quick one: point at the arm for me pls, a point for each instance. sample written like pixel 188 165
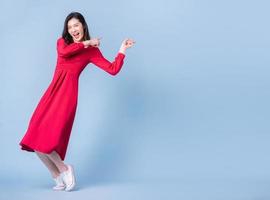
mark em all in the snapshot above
pixel 66 50
pixel 111 67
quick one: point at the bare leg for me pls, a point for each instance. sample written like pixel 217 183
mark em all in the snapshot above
pixel 49 164
pixel 56 159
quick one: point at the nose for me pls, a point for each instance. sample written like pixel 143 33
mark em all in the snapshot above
pixel 73 30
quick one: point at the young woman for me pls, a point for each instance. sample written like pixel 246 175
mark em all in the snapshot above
pixel 50 126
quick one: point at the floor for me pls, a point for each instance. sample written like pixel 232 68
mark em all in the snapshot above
pixel 200 189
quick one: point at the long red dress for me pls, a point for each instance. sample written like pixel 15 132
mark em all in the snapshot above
pixel 51 123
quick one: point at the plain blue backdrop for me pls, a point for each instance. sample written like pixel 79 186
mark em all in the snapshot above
pixel 187 117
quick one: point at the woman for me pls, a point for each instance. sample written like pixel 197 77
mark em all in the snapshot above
pixel 51 123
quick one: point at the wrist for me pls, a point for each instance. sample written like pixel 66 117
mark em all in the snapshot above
pixel 85 44
pixel 122 50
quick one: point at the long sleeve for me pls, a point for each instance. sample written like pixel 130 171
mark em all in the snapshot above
pixel 112 68
pixel 66 50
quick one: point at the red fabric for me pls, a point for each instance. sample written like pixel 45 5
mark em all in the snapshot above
pixel 51 122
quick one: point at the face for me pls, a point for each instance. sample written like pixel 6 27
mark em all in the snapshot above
pixel 75 29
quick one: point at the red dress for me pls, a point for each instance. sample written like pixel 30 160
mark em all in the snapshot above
pixel 51 123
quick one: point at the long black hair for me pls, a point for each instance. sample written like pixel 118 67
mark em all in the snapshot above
pixel 67 37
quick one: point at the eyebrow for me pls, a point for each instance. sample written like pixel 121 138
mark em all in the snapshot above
pixel 74 24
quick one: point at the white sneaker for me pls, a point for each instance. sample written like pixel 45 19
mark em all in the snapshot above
pixel 69 178
pixel 60 185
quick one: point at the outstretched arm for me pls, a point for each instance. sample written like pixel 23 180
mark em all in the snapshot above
pixel 66 50
pixel 111 67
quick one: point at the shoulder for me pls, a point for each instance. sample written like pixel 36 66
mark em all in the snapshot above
pixel 60 40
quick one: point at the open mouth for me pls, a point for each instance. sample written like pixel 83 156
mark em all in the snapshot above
pixel 76 35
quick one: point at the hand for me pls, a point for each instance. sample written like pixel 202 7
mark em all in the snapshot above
pixel 95 42
pixel 127 43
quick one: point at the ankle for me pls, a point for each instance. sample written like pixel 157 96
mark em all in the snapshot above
pixel 63 168
pixel 55 175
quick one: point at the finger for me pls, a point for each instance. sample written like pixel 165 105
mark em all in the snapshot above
pixel 130 42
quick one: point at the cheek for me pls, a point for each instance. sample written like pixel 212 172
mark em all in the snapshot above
pixel 81 29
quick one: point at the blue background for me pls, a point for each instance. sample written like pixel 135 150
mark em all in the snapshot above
pixel 186 118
